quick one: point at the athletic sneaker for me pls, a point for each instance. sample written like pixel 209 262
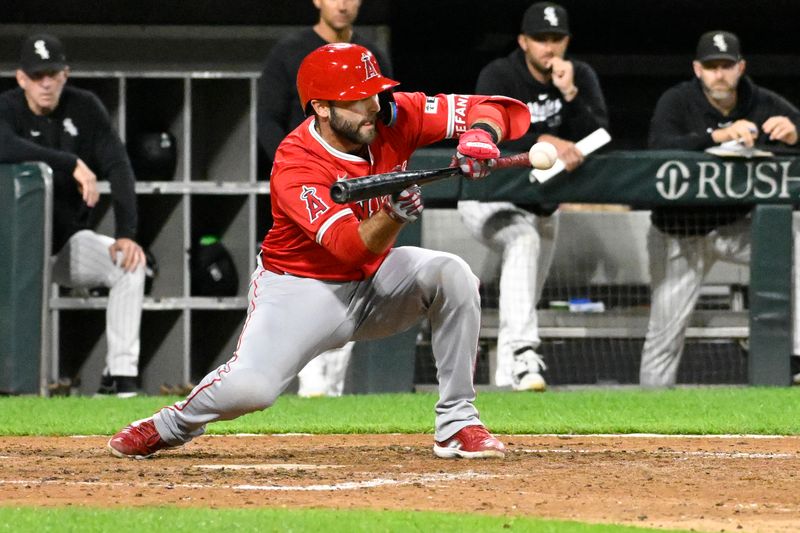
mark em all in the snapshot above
pixel 121 386
pixel 471 442
pixel 795 365
pixel 527 371
pixel 137 441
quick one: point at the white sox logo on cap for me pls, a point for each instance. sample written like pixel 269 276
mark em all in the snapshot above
pixel 369 67
pixel 719 42
pixel 41 50
pixel 550 15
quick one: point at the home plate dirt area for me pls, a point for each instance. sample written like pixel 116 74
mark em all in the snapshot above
pixel 729 483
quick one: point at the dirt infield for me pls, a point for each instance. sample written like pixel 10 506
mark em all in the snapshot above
pixel 708 484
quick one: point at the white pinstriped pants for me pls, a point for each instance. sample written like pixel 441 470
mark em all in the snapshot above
pixel 85 262
pixel 325 374
pixel 678 266
pixel 527 244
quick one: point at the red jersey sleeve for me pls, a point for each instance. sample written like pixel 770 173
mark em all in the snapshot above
pixel 428 119
pixel 302 193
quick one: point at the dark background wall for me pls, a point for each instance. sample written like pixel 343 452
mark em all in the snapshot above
pixel 639 48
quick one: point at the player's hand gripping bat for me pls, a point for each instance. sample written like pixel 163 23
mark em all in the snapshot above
pixel 353 190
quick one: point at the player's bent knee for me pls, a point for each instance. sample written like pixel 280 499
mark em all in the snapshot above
pixel 456 278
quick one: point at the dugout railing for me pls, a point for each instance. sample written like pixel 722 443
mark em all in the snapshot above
pixel 644 179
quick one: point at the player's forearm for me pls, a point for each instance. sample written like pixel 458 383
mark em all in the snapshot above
pixel 345 242
pixel 115 167
pixel 14 149
pixel 125 214
pixel 379 232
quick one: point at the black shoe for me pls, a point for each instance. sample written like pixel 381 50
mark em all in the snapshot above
pixel 795 365
pixel 121 386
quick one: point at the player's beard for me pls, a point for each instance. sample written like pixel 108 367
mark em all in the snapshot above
pixel 720 92
pixel 539 66
pixel 352 130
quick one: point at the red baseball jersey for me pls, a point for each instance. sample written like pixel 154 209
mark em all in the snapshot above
pixel 305 167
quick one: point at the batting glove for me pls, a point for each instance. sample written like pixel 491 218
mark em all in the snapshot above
pixel 476 153
pixel 404 206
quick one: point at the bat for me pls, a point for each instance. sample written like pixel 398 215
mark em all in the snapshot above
pixel 353 190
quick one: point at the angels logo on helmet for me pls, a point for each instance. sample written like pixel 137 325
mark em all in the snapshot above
pixel 369 66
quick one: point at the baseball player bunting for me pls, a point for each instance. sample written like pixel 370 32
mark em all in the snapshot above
pixel 329 273
pixel 316 165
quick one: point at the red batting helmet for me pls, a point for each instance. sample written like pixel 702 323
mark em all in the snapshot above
pixel 340 71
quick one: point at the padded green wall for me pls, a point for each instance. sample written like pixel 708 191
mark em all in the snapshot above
pixel 22 234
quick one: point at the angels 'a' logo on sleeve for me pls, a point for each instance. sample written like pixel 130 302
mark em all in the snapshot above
pixel 314 204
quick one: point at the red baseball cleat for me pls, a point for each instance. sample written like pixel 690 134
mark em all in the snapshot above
pixel 471 442
pixel 137 441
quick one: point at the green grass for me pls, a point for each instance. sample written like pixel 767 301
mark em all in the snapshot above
pixel 175 520
pixel 734 410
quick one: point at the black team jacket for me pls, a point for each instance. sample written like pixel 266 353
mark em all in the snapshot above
pixel 684 119
pixel 78 128
pixel 550 113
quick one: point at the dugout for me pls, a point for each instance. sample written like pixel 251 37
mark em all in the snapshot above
pixel 193 68
pixel 740 331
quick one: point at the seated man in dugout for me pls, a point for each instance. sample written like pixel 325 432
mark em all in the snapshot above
pixel 44 119
pixel 719 104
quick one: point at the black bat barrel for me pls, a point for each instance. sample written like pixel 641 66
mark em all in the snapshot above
pixel 356 189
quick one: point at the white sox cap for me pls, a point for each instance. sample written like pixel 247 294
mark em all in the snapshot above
pixel 718 45
pixel 545 17
pixel 42 52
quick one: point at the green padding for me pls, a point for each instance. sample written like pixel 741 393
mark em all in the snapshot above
pixel 22 201
pixel 770 296
pixel 643 178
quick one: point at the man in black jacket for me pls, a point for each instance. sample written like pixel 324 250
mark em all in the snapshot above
pixel 279 112
pixel 69 129
pixel 719 105
pixel 566 104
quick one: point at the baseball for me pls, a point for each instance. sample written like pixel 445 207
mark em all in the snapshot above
pixel 542 155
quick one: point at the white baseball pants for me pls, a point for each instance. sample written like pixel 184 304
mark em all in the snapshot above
pixel 527 244
pixel 678 266
pixel 85 262
pixel 325 374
